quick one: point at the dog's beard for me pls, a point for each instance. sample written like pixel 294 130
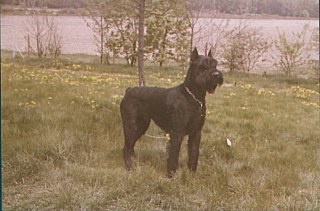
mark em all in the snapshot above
pixel 212 89
pixel 212 86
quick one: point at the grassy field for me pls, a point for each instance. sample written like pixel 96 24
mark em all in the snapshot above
pixel 62 141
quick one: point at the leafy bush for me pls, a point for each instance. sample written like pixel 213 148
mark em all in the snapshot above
pixel 117 27
pixel 290 54
pixel 304 13
pixel 244 47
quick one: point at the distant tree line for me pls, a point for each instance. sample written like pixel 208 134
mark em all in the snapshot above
pixel 297 8
pixel 53 4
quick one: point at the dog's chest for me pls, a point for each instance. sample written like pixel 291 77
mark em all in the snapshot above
pixel 197 118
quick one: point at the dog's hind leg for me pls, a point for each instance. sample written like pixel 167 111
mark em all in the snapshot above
pixel 142 126
pixel 131 136
pixel 134 126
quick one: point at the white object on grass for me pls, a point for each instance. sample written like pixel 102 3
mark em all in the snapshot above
pixel 229 142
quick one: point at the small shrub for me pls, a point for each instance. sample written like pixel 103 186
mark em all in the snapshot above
pixel 290 54
pixel 244 47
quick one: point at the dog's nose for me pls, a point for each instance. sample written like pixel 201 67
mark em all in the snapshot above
pixel 216 73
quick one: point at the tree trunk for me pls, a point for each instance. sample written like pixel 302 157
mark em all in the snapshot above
pixel 101 41
pixel 141 43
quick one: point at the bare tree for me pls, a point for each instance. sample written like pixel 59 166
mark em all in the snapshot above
pixel 43 33
pixel 194 9
pixel 97 14
pixel 215 32
pixel 208 32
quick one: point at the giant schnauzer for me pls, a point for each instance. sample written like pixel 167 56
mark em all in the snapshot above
pixel 179 111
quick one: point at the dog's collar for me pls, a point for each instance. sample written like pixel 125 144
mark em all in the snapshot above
pixel 193 96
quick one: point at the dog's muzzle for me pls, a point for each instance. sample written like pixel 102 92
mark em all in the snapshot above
pixel 217 79
pixel 218 76
pixel 216 73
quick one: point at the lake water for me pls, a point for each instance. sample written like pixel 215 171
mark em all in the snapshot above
pixel 78 38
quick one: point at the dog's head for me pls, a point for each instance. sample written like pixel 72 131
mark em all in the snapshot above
pixel 203 72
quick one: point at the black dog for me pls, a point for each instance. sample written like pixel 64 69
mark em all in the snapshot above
pixel 179 111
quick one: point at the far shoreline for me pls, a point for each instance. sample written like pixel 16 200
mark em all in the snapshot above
pixel 257 17
pixel 81 12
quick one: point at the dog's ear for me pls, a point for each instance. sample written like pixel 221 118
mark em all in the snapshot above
pixel 194 55
pixel 210 53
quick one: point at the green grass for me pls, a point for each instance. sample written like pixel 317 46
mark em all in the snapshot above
pixel 62 140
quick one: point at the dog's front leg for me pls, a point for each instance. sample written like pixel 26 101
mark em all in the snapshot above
pixel 193 150
pixel 174 150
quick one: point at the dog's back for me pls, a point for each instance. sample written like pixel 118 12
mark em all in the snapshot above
pixel 146 93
